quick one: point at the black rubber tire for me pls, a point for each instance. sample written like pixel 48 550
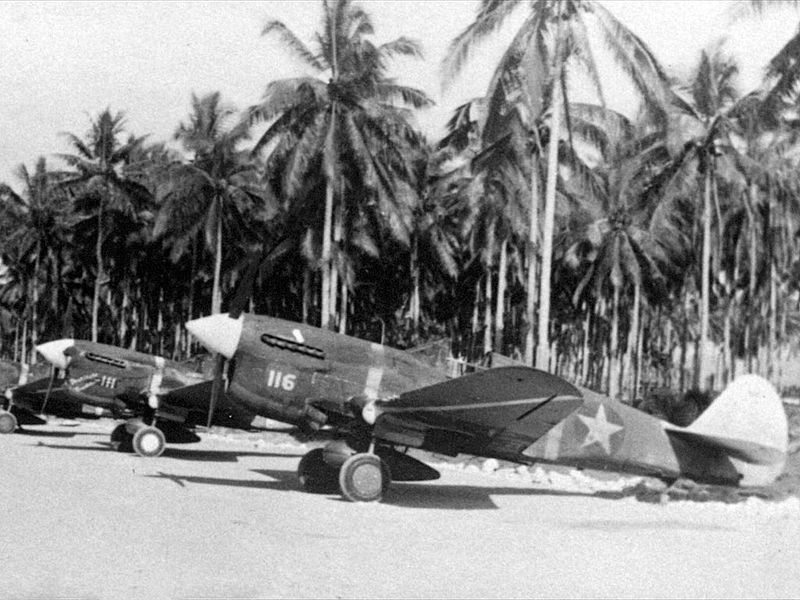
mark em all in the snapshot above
pixel 315 475
pixel 8 422
pixel 149 442
pixel 121 440
pixel 364 478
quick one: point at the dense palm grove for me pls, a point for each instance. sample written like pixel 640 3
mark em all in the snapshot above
pixel 622 253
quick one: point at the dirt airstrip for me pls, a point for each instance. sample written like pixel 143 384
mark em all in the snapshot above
pixel 225 519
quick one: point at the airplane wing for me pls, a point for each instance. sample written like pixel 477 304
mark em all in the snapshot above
pixel 31 397
pixel 191 402
pixel 748 451
pixel 496 413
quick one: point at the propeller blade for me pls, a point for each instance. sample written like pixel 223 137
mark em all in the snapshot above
pixel 257 262
pixel 49 387
pixel 226 338
pixel 216 388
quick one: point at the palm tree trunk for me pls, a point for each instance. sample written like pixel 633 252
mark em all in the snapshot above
pixel 135 326
pixel 605 364
pixel 123 321
pixel 35 304
pixel 475 316
pixel 587 322
pixel 306 293
pixel 98 252
pixel 176 341
pixel 613 349
pixel 499 312
pixel 336 261
pixel 160 324
pixel 543 349
pixel 326 257
pixel 414 308
pixel 24 354
pixel 216 292
pixel 684 342
pixel 343 310
pixel 751 300
pixel 705 349
pixel 632 343
pixel 533 238
pixel 487 314
pixel 637 378
pixel 727 370
pixel 192 277
pixel 773 321
pixel 16 356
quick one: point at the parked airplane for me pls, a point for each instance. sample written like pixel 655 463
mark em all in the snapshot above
pixel 161 400
pixel 33 383
pixel 384 402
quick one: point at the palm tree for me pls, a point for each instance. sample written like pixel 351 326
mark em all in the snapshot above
pixel 34 224
pixel 552 40
pixel 617 244
pixel 99 175
pixel 345 132
pixel 700 139
pixel 217 191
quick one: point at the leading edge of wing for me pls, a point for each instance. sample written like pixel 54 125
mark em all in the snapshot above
pixel 504 385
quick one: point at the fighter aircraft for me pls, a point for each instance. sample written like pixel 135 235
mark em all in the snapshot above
pixel 385 402
pixel 161 400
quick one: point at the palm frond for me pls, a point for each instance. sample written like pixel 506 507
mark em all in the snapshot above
pixel 295 45
pixel 285 94
pixel 490 18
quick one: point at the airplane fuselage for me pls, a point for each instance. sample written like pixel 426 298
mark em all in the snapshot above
pixel 121 380
pixel 282 367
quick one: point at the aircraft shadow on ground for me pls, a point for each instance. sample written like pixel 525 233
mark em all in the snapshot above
pixel 277 484
pixel 407 495
pixel 54 434
pixel 219 455
pixel 70 447
pixel 175 453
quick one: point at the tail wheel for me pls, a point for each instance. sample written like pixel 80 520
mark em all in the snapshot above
pixel 121 440
pixel 149 441
pixel 364 478
pixel 8 422
pixel 315 475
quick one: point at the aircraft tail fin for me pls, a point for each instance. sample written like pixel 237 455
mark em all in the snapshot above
pixel 748 422
pixel 749 409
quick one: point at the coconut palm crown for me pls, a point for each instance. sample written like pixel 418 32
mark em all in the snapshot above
pixel 345 128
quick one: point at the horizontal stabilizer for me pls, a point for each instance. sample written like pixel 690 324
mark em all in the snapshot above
pixel 747 451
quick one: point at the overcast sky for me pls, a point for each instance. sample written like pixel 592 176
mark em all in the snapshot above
pixel 64 62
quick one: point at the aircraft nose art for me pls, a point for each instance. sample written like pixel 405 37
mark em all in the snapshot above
pixel 53 352
pixel 219 333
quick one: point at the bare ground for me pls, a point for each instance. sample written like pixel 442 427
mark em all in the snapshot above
pixel 225 519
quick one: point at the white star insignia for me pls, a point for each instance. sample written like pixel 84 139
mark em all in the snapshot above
pixel 600 430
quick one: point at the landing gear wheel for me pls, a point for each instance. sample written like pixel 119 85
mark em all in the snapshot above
pixel 8 422
pixel 149 441
pixel 121 440
pixel 315 475
pixel 364 478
